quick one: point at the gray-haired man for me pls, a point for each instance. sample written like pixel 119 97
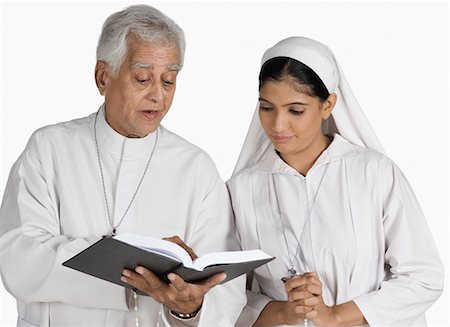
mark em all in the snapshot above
pixel 117 170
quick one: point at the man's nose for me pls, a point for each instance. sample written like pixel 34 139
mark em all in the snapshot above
pixel 156 92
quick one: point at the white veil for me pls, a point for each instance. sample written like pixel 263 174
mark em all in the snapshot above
pixel 347 118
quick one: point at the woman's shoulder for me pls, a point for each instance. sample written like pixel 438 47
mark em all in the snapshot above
pixel 357 153
pixel 368 162
pixel 242 176
pixel 246 176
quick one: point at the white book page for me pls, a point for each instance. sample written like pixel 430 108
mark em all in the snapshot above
pixel 162 247
pixel 228 257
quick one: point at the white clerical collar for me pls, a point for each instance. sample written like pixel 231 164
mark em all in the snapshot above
pixel 120 146
pixel 338 149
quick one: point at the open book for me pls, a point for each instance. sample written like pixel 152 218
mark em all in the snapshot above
pixel 107 258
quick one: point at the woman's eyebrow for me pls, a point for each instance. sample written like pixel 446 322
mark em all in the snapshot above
pixel 287 104
pixel 296 103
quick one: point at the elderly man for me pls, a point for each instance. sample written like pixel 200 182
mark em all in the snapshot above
pixel 117 170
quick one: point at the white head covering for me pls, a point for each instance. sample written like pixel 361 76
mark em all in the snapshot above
pixel 347 118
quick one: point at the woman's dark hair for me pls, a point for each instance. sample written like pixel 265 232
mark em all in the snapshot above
pixel 309 82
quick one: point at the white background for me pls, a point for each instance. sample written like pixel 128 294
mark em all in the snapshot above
pixel 394 54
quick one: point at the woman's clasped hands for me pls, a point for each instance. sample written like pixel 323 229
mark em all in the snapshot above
pixel 305 301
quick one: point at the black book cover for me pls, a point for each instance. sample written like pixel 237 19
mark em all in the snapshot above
pixel 107 258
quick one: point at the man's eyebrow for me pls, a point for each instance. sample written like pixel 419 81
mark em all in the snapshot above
pixel 175 67
pixel 137 64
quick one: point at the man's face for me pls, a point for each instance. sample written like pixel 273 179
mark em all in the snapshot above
pixel 138 98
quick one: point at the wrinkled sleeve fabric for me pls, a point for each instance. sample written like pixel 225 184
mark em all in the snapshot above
pixel 214 231
pixel 32 248
pixel 256 301
pixel 415 275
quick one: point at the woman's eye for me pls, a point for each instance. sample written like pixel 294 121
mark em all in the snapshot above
pixel 265 108
pixel 296 112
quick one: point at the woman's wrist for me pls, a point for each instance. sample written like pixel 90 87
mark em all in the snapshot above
pixel 347 314
pixel 274 313
pixel 282 313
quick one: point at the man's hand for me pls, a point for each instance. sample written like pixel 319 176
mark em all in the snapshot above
pixel 177 240
pixel 178 296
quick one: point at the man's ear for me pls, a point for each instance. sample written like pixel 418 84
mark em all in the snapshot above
pixel 328 106
pixel 101 76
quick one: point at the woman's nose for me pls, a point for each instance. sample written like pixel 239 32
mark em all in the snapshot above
pixel 280 123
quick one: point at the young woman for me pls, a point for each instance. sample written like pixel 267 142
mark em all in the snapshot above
pixel 315 190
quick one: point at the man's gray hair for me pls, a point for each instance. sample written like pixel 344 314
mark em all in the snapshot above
pixel 145 22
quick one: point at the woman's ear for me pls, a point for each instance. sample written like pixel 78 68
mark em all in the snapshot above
pixel 101 76
pixel 328 105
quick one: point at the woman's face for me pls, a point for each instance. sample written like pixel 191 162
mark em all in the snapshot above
pixel 291 119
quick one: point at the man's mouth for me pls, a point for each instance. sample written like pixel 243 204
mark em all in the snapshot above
pixel 150 114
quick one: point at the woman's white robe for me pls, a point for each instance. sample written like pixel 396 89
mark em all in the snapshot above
pixel 366 237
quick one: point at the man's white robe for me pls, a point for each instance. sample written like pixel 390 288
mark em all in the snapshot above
pixel 54 207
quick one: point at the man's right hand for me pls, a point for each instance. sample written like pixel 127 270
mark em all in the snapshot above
pixel 178 296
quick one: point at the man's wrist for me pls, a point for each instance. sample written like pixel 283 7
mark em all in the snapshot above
pixel 185 316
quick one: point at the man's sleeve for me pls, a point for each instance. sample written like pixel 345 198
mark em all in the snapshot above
pixel 32 248
pixel 215 231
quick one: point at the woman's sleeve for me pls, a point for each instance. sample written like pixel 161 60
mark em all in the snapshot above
pixel 32 248
pixel 415 272
pixel 256 302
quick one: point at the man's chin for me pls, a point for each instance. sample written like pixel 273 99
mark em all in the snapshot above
pixel 148 130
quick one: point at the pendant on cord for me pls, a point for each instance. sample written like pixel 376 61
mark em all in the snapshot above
pixel 292 272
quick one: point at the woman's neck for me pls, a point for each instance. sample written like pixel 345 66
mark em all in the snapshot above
pixel 303 161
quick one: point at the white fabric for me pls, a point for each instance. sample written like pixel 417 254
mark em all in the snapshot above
pixel 53 208
pixel 349 119
pixel 366 238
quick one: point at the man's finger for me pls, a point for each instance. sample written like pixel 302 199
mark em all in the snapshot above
pixel 213 281
pixel 152 280
pixel 177 240
pixel 134 279
pixel 177 282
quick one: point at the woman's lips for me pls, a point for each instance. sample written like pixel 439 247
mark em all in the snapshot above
pixel 280 139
